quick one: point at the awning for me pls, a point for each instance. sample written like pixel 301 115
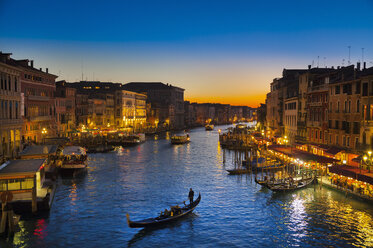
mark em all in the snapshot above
pixel 353 172
pixel 302 155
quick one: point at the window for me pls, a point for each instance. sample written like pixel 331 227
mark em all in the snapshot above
pixel 345 107
pixel 337 107
pixel 365 89
pixel 2 81
pixel 9 83
pixel 358 106
pixel 348 141
pixel 15 85
pixel 337 89
pixel 356 142
pixel 330 107
pixel 349 106
pixel 357 88
pixel 336 140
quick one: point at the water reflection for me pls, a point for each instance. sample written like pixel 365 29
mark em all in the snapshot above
pixel 234 211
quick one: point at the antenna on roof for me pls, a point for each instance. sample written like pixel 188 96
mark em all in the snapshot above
pixel 325 62
pixel 362 55
pixel 82 72
pixel 343 62
pixel 349 55
pixel 318 58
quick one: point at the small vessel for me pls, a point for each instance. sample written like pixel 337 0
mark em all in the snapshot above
pixel 180 139
pixel 100 149
pixel 74 158
pixel 291 184
pixel 133 139
pixel 239 171
pixel 209 127
pixel 163 219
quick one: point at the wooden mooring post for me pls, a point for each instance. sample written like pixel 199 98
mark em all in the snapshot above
pixel 7 213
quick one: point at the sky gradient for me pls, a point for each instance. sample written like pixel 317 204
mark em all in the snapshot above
pixel 218 51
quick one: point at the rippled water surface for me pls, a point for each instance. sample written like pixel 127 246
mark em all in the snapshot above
pixel 234 211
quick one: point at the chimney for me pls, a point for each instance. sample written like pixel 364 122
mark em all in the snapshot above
pixel 40 69
pixel 365 65
pixel 32 63
pixel 358 66
pixel 309 67
pixel 46 70
pixel 338 67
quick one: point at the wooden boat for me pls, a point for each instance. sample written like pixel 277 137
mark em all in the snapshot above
pixel 239 171
pixel 157 221
pixel 180 139
pixel 209 127
pixel 291 185
pixel 265 182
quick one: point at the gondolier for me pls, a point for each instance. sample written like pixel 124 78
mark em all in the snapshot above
pixel 191 195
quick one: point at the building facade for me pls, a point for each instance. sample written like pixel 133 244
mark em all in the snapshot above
pixel 10 109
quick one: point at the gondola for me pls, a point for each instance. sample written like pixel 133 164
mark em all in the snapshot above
pixel 160 220
pixel 284 187
pixel 238 171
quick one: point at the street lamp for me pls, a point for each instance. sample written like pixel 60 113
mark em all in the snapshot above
pixel 44 132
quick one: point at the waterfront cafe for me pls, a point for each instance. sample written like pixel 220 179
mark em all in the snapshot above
pixel 352 179
pixel 25 179
pixel 301 158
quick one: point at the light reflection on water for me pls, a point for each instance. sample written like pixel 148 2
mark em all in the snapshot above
pixel 234 211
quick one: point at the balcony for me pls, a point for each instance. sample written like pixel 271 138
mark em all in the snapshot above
pixel 39 98
pixel 40 118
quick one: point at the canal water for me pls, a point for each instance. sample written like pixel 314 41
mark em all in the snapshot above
pixel 234 211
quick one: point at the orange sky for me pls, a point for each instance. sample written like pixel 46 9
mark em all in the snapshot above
pixel 239 100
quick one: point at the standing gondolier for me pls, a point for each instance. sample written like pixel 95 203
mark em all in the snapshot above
pixel 191 195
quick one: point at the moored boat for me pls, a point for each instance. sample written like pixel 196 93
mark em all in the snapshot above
pixel 74 159
pixel 239 171
pixel 133 139
pixel 163 219
pixel 180 139
pixel 291 184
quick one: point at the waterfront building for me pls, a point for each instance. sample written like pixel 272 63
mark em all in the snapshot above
pixel 10 108
pixel 222 112
pixel 344 108
pixel 25 179
pixel 95 103
pixel 189 114
pixel 65 109
pixel 366 109
pixel 166 102
pixel 81 110
pixel 38 88
pixel 130 110
pixel 282 89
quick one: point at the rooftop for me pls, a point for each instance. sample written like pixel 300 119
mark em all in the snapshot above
pixel 39 150
pixel 21 166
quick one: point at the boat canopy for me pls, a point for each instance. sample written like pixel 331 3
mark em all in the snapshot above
pixel 73 150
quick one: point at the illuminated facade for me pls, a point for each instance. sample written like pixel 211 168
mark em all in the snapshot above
pixel 130 110
pixel 10 108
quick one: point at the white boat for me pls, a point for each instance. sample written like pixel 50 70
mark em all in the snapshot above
pixel 74 158
pixel 180 139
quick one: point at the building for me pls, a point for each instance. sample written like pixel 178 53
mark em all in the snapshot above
pixel 366 109
pixel 130 110
pixel 10 109
pixel 65 109
pixel 166 103
pixel 38 88
pixel 344 108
